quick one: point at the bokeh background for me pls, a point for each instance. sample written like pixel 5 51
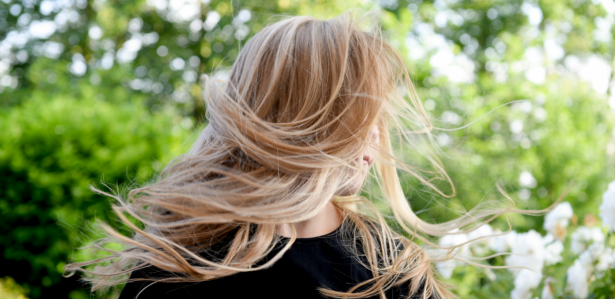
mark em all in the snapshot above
pixel 108 91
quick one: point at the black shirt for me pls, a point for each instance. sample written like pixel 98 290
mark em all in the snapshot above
pixel 310 263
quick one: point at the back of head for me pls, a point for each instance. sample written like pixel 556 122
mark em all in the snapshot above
pixel 304 93
pixel 293 118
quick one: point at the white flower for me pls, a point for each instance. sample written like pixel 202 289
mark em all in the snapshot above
pixel 482 246
pixel 599 258
pixel 503 243
pixel 606 261
pixel 607 208
pixel 583 237
pixel 446 267
pixel 528 252
pixel 553 250
pixel 577 280
pixel 557 220
pixel 547 290
pixel 454 240
pixel 591 255
pixel 524 283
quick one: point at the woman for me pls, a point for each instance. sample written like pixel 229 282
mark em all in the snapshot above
pixel 265 204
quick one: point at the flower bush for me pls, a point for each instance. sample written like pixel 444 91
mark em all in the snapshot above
pixel 546 266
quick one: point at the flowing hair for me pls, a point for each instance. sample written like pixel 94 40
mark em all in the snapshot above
pixel 283 138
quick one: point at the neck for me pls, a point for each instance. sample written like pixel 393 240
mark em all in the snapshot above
pixel 323 223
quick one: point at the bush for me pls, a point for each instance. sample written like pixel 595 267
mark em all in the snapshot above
pixel 51 150
pixel 572 260
pixel 10 290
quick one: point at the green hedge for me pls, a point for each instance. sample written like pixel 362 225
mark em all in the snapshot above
pixel 51 150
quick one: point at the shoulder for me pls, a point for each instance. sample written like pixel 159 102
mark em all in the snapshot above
pixel 360 229
pixel 152 282
pixel 387 246
pixel 267 283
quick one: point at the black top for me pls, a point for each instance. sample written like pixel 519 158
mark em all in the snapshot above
pixel 310 263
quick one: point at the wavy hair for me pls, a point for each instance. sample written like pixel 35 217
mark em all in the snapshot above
pixel 283 136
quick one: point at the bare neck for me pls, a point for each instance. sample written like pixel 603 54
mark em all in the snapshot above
pixel 323 223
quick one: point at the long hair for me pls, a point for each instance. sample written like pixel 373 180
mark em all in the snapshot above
pixel 283 136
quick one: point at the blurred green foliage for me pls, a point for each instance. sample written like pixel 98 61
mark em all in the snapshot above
pixel 11 290
pixel 109 90
pixel 51 150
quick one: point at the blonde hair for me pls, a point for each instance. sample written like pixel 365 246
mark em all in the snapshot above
pixel 282 138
